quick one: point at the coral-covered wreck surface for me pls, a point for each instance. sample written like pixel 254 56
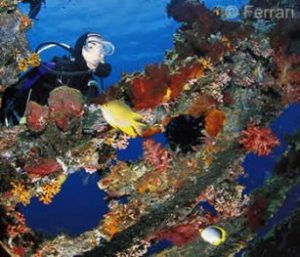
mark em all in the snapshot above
pixel 220 110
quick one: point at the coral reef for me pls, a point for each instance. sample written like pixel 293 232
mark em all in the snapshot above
pixel 13 46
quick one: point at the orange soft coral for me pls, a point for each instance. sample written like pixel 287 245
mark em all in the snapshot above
pixel 119 180
pixel 120 217
pixel 22 65
pixel 110 225
pixel 48 191
pixel 258 140
pixel 20 193
pixel 34 60
pixel 25 22
pixel 150 183
pixel 214 122
pixel 202 104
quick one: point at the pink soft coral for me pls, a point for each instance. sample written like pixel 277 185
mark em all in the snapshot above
pixel 65 103
pixel 156 155
pixel 258 140
pixel 37 116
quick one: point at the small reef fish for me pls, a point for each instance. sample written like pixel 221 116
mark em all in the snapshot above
pixel 120 116
pixel 214 235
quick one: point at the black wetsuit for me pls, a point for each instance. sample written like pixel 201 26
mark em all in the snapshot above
pixel 15 97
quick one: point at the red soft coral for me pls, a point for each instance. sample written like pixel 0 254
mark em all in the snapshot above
pixel 188 231
pixel 199 23
pixel 288 76
pixel 156 155
pixel 19 251
pixel 258 140
pixel 191 12
pixel 180 234
pixel 256 214
pixel 37 116
pixel 146 94
pixel 183 75
pixel 149 90
pixel 42 167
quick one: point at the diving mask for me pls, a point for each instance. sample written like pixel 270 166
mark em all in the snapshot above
pixel 94 50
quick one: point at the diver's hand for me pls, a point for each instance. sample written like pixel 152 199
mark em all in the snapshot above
pixel 103 70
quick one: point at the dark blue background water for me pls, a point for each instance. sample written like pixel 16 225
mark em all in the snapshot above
pixel 78 207
pixel 141 33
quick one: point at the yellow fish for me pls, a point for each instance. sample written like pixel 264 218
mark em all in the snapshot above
pixel 214 235
pixel 120 116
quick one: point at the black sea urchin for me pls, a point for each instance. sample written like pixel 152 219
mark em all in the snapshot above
pixel 184 132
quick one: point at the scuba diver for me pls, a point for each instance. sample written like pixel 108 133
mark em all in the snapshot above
pixel 79 70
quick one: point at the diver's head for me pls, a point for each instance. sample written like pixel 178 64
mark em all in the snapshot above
pixel 90 50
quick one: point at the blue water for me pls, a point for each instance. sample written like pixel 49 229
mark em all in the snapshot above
pixel 141 33
pixel 289 205
pixel 207 207
pixel 139 29
pixel 135 148
pixel 158 247
pixel 259 168
pixel 77 208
